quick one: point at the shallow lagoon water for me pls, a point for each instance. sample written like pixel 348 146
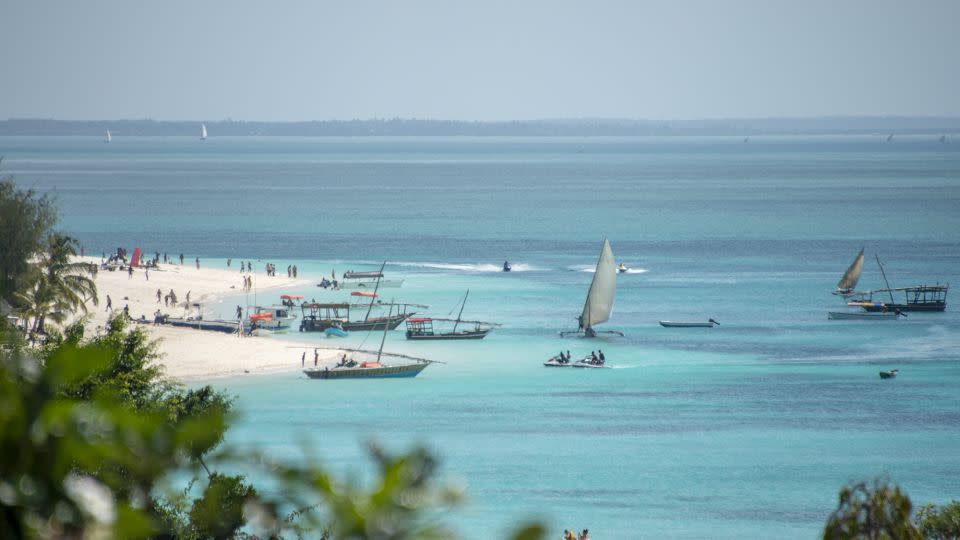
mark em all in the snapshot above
pixel 744 430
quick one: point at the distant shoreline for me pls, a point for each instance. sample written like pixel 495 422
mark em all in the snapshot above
pixel 398 127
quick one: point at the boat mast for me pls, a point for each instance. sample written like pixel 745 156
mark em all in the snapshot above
pixel 374 297
pixel 463 305
pixel 386 326
pixel 884 274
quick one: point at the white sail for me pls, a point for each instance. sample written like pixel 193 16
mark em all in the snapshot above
pixel 203 131
pixel 599 302
pixel 852 275
pixel 108 138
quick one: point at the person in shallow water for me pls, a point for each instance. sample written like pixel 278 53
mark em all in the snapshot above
pixel 602 358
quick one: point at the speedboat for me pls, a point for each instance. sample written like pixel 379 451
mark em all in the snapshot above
pixel 622 268
pixel 506 266
pixel 889 374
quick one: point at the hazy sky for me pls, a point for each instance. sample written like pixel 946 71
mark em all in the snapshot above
pixel 483 60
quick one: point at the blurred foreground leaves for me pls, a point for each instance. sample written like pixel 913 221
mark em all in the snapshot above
pixel 91 436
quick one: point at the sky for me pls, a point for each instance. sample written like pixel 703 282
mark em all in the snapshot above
pixel 477 60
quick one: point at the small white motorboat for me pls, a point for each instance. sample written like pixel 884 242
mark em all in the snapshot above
pixel 709 323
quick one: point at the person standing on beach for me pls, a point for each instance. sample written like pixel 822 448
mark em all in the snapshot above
pixel 228 262
pixel 188 298
pixel 146 273
pixel 158 295
pixel 198 263
pixel 109 303
pixel 303 359
pixel 130 272
pixel 294 271
pixel 181 258
pixel 316 357
pixel 239 313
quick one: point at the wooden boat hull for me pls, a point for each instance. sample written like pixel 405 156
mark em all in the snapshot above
pixel 383 372
pixel 227 327
pixel 862 316
pixel 688 324
pixel 447 336
pixel 370 284
pixel 321 325
pixel 875 307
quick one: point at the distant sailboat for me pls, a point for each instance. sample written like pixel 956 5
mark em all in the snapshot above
pixel 108 138
pixel 599 302
pixel 850 278
pixel 943 138
pixel 890 137
pixel 203 132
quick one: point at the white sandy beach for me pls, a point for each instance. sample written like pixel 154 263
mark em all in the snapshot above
pixel 197 354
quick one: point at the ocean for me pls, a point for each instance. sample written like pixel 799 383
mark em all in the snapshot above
pixel 747 429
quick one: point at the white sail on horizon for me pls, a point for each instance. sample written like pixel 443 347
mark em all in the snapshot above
pixel 109 138
pixel 203 131
pixel 852 275
pixel 599 302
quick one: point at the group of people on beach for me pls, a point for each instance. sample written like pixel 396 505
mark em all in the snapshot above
pixel 247 283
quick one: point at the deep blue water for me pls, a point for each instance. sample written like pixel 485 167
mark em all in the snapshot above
pixel 745 430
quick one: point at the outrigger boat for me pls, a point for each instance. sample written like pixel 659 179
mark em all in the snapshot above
pixel 920 298
pixel 351 369
pixel 709 323
pixel 865 316
pixel 599 302
pixel 319 317
pixel 421 328
pixel 367 280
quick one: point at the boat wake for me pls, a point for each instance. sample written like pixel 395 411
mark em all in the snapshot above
pixel 591 269
pixel 467 267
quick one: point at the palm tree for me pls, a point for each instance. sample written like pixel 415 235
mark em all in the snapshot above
pixel 57 287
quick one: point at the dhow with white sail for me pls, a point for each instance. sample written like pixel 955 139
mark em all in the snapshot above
pixel 599 302
pixel 850 278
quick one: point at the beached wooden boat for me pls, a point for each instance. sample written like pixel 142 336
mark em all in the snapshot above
pixel 709 323
pixel 422 328
pixel 214 325
pixel 367 370
pixel 599 301
pixel 889 374
pixel 351 369
pixel 863 315
pixel 319 317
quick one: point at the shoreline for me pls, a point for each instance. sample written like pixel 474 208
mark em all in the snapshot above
pixel 188 355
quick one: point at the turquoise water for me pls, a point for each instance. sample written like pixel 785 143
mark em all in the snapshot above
pixel 744 430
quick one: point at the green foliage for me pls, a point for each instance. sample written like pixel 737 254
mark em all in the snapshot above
pixel 219 513
pixel 26 219
pixel 90 433
pixel 877 512
pixel 55 287
pixel 941 523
